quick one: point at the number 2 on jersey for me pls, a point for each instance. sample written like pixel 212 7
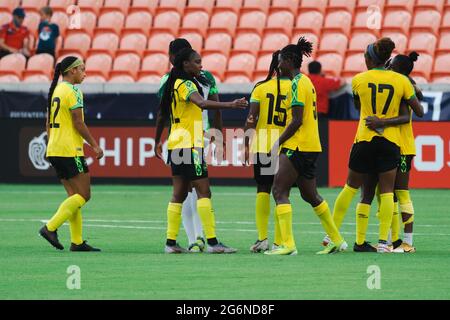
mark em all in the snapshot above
pixel 56 101
pixel 381 88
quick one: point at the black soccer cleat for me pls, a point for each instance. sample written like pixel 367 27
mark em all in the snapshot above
pixel 51 237
pixel 365 247
pixel 397 243
pixel 83 247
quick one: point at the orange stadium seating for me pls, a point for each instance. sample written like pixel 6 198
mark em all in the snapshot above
pixel 127 40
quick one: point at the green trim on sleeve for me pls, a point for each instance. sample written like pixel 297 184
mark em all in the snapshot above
pixel 162 85
pixel 413 96
pixel 297 104
pixel 254 101
pixel 77 106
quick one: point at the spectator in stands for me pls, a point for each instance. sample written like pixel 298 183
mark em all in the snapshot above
pixel 48 32
pixel 14 36
pixel 323 85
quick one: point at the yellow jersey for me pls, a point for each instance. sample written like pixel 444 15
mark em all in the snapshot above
pixel 273 108
pixel 306 138
pixel 407 142
pixel 380 93
pixel 186 130
pixel 64 140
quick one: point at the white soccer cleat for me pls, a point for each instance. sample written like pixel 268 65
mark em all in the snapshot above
pixel 260 246
pixel 383 248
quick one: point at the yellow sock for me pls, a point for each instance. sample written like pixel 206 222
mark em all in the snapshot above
pixel 395 225
pixel 278 240
pixel 284 212
pixel 406 205
pixel 173 220
pixel 342 203
pixel 324 214
pixel 386 212
pixel 76 228
pixel 204 208
pixel 362 221
pixel 65 211
pixel 262 214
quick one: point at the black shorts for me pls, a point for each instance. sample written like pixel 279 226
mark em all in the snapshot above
pixel 188 163
pixel 264 169
pixel 67 168
pixel 304 162
pixel 376 156
pixel 404 165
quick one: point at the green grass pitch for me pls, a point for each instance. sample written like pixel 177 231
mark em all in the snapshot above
pixel 128 224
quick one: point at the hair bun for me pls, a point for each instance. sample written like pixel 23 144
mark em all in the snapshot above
pixel 413 56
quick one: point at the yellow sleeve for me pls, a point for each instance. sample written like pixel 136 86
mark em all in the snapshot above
pixel 355 85
pixel 298 94
pixel 186 89
pixel 74 99
pixel 256 95
pixel 409 91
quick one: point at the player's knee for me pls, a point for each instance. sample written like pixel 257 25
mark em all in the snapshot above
pixel 179 197
pixel 278 194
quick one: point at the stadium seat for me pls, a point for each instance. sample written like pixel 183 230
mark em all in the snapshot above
pixel 331 63
pixel 364 4
pixel 133 43
pixel 9 78
pixel 40 64
pixel 364 21
pixel 280 20
pixel 194 38
pixel 60 5
pixel 177 5
pixel 397 20
pixel 168 21
pixel 105 43
pixel 62 20
pixel 94 79
pixel 88 21
pixel 400 40
pixel 423 65
pixel 274 41
pixel 430 4
pixel 243 63
pixel 338 21
pixel 33 5
pixel 422 42
pixel 354 63
pixel 218 42
pixel 90 5
pixel 446 21
pixel 407 5
pixel 112 21
pixel 9 5
pixel 155 64
pixel 252 21
pixel 205 5
pixel 152 79
pixel 263 62
pixel 78 42
pixel 348 5
pixel 420 80
pixel 144 6
pixel 360 41
pixel 196 21
pixel 333 42
pixel 290 5
pixel 441 65
pixel 444 43
pixel 310 36
pixel 61 57
pixel 259 75
pixel 237 79
pixel 319 5
pixel 233 5
pixel 305 62
pixel 138 22
pixel 426 20
pixel 262 5
pixel 436 80
pixel 115 5
pixel 215 63
pixel 128 63
pixel 309 21
pixel 224 21
pixel 31 21
pixel 247 42
pixel 159 42
pixel 121 78
pixel 36 78
pixel 99 64
pixel 5 17
pixel 12 64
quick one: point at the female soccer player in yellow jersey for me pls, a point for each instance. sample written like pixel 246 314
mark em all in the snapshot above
pixel 66 134
pixel 183 102
pixel 300 147
pixel 269 102
pixel 377 92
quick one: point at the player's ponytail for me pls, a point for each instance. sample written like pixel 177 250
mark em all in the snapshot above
pixel 295 52
pixel 56 75
pixel 273 70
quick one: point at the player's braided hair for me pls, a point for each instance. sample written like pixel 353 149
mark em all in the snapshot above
pixel 273 70
pixel 63 65
pixel 177 72
pixel 295 52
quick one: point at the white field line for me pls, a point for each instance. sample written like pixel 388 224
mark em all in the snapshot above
pixel 164 228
